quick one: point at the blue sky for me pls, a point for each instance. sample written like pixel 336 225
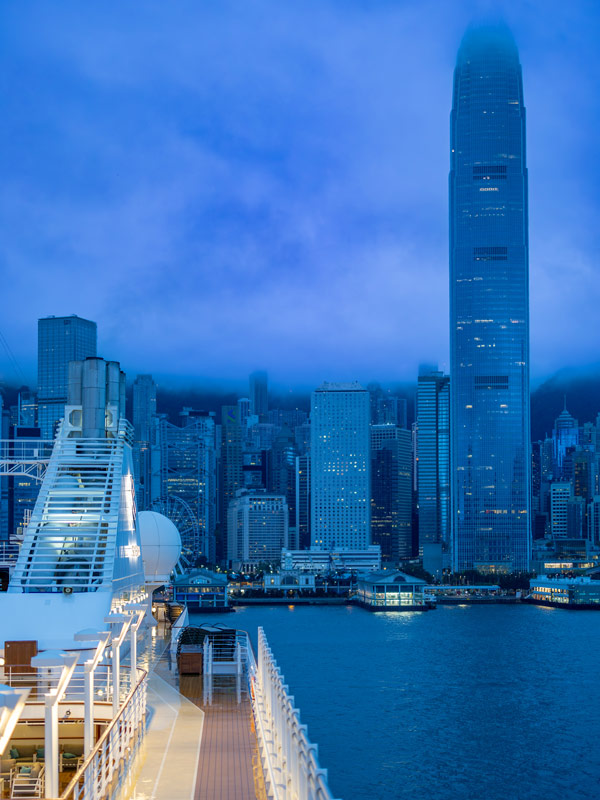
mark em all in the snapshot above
pixel 230 185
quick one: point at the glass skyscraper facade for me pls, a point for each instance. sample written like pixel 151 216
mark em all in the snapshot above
pixel 489 307
pixel 340 467
pixel 433 448
pixel 60 340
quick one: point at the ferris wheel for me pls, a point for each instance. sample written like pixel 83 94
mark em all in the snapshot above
pixel 181 515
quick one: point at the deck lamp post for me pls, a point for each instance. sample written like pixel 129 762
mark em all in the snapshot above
pixel 67 662
pixel 136 610
pixel 125 621
pixel 101 639
pixel 12 703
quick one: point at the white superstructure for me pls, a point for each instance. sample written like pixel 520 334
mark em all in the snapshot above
pixel 81 554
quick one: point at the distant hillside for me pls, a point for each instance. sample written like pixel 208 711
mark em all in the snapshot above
pixel 547 401
pixel 582 392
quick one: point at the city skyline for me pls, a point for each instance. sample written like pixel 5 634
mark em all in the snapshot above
pixel 245 237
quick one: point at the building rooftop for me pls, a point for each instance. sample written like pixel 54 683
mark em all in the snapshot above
pixel 353 386
pixel 388 576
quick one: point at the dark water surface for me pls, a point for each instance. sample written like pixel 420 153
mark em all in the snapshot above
pixel 468 702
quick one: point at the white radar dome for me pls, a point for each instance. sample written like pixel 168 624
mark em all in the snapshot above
pixel 161 545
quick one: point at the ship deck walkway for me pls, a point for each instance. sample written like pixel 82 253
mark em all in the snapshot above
pixel 195 750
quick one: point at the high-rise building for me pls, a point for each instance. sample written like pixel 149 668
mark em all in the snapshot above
pixel 433 446
pixel 188 480
pixel 144 414
pixel 391 491
pixel 565 435
pixel 303 501
pixel 340 467
pixel 60 340
pixel 259 394
pixel 489 308
pixel 231 473
pixel 257 529
pixel 561 493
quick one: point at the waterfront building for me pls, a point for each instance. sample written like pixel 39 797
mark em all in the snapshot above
pixel 188 474
pixel 290 581
pixel 344 559
pixel 489 308
pixel 340 467
pixel 560 592
pixel 144 414
pixel 60 340
pixel 259 394
pixel 433 447
pixel 391 591
pixel 202 590
pixel 391 491
pixel 257 529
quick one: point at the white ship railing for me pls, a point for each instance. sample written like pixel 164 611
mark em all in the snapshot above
pixel 108 764
pixel 44 680
pixel 290 761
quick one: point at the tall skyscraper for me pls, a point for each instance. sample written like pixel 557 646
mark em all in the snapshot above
pixel 144 413
pixel 489 307
pixel 231 471
pixel 391 491
pixel 340 467
pixel 433 447
pixel 60 340
pixel 259 394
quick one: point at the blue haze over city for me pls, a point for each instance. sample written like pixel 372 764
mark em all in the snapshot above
pixel 265 184
pixel 315 284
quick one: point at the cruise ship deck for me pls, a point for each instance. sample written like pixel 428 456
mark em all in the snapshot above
pixel 198 746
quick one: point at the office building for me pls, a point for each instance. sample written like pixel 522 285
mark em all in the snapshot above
pixel 302 502
pixel 188 481
pixel 565 435
pixel 340 467
pixel 144 414
pixel 489 308
pixel 433 447
pixel 391 492
pixel 60 340
pixel 560 494
pixel 259 394
pixel 231 472
pixel 257 529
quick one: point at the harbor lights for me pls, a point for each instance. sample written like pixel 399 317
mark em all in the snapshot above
pixel 101 639
pixel 125 621
pixel 68 661
pixel 12 703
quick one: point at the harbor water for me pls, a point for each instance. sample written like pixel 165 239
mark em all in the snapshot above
pixel 461 703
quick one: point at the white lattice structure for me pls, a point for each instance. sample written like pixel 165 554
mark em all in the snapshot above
pixel 81 553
